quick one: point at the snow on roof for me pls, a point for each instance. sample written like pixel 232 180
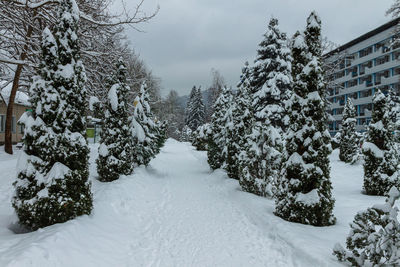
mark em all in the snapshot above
pixel 21 98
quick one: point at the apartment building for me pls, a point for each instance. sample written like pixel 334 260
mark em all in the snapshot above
pixel 360 67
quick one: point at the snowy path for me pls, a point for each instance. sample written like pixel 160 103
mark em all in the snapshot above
pixel 176 212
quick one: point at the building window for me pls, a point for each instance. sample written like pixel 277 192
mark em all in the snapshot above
pixel 353 95
pixel 353 71
pixel 365 109
pixel 382 60
pixel 2 123
pixel 396 55
pixel 384 45
pixel 365 65
pixel 380 75
pixel 353 83
pixel 367 79
pixel 21 128
pixel 365 93
pixel 340 74
pixel 396 71
pixel 366 51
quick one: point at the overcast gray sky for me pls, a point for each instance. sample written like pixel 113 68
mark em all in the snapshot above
pixel 189 37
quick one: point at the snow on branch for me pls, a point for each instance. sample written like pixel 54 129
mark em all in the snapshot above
pixel 35 5
pixel 12 61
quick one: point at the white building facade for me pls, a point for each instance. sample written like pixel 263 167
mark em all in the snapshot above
pixel 360 68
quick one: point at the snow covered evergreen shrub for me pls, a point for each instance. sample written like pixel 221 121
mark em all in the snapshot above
pixel 380 157
pixel 304 194
pixel 216 143
pixel 201 136
pixel 335 142
pixel 115 150
pixel 394 113
pixel 52 184
pixel 161 134
pixel 374 239
pixel 143 129
pixel 269 82
pixel 186 134
pixel 349 142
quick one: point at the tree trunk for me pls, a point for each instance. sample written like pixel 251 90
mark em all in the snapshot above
pixel 8 131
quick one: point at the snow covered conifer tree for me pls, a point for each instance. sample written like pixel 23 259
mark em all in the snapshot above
pixel 115 150
pixel 349 144
pixel 380 156
pixel 231 148
pixel 142 129
pixel 216 142
pixel 201 137
pixel 52 184
pixel 242 119
pixel 374 239
pixel 189 105
pixel 270 82
pixel 394 107
pixel 195 112
pixel 161 134
pixel 186 134
pixel 304 193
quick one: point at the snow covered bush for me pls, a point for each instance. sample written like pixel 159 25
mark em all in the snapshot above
pixel 335 142
pixel 201 136
pixel 349 142
pixel 374 238
pixel 270 81
pixel 115 150
pixel 381 159
pixel 304 193
pixel 52 184
pixel 186 134
pixel 217 141
pixel 143 129
pixel 161 135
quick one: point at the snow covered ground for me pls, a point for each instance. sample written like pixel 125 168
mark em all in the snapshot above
pixel 177 212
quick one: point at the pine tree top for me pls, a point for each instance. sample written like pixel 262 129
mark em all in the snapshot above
pixel 349 111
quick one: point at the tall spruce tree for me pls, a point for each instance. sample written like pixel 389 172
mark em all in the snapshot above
pixel 152 126
pixel 142 127
pixel 195 112
pixel 189 105
pixel 380 156
pixel 216 142
pixel 270 82
pixel 349 145
pixel 115 150
pixel 304 193
pixel 52 184
pixel 230 150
